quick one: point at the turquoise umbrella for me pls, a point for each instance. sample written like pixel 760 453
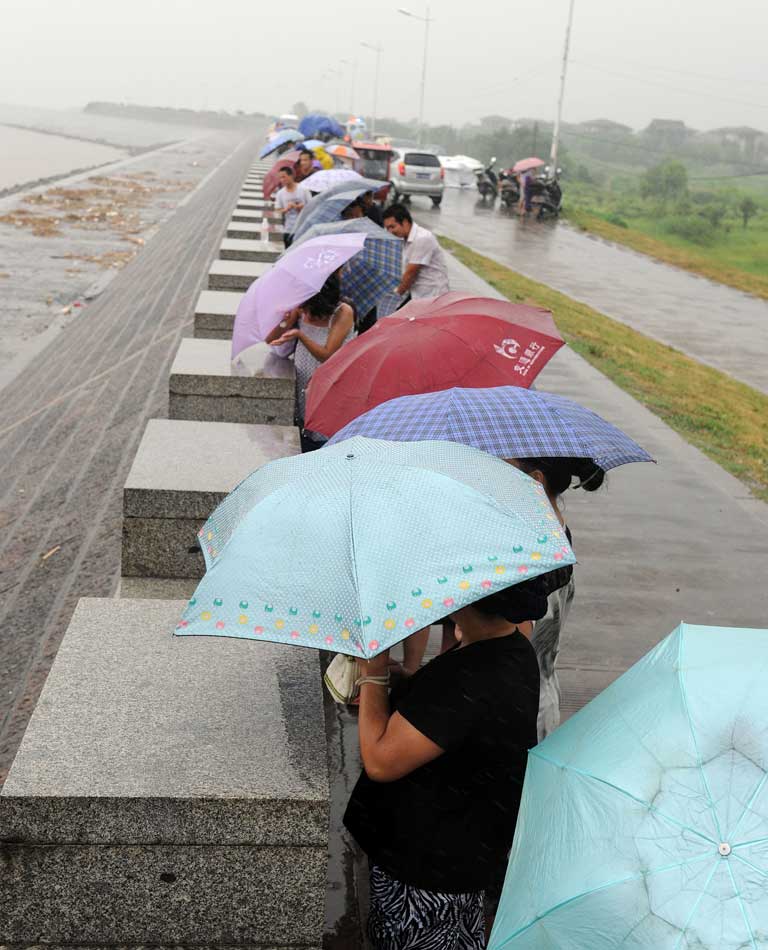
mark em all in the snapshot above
pixel 644 819
pixel 356 546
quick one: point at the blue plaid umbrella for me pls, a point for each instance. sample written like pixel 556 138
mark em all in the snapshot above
pixel 277 141
pixel 375 271
pixel 327 206
pixel 506 421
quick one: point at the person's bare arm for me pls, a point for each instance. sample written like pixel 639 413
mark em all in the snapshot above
pixel 290 319
pixel 390 746
pixel 340 327
pixel 408 279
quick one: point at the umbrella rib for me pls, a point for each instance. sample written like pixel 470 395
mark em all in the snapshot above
pixel 750 864
pixel 623 791
pixel 696 906
pixel 684 697
pixel 602 887
pixel 741 905
pixel 748 805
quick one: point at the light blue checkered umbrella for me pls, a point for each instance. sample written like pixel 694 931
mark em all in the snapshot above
pixel 372 273
pixel 327 206
pixel 506 421
pixel 357 546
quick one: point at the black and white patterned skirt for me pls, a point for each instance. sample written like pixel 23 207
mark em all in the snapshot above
pixel 403 917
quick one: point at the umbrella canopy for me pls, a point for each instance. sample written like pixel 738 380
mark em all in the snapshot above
pixel 526 164
pixel 271 184
pixel 343 151
pixel 313 143
pixel 282 564
pixel 644 818
pixel 315 125
pixel 506 421
pixel 372 273
pixel 327 206
pixel 428 345
pixel 280 139
pixel 294 278
pixel 323 180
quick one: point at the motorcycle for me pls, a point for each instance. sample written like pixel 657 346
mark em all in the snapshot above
pixel 546 197
pixel 487 180
pixel 509 188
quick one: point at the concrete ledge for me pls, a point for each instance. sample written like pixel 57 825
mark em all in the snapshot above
pixel 156 588
pixel 252 215
pixel 215 314
pixel 181 472
pixel 254 203
pixel 254 232
pixel 235 274
pixel 241 249
pixel 203 386
pixel 167 791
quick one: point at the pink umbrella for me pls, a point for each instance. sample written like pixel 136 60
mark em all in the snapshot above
pixel 526 164
pixel 296 277
pixel 271 184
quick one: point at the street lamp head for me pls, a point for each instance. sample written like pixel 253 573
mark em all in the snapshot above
pixel 405 12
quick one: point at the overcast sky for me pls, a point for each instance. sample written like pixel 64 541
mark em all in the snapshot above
pixel 697 60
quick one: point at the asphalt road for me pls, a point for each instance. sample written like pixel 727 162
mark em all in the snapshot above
pixel 709 321
pixel 69 428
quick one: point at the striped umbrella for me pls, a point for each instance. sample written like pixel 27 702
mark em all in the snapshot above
pixel 506 421
pixel 372 273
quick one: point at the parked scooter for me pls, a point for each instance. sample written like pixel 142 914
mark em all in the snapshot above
pixel 546 197
pixel 487 180
pixel 509 188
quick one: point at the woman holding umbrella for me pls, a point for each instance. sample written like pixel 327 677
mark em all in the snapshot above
pixel 326 322
pixel 444 760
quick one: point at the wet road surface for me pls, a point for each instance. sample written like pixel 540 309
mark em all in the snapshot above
pixel 69 428
pixel 710 322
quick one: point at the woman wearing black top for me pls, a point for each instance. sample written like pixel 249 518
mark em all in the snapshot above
pixel 436 805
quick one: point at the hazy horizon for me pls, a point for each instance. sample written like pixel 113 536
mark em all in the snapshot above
pixel 706 68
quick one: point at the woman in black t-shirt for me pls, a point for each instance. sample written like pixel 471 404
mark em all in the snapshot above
pixel 436 805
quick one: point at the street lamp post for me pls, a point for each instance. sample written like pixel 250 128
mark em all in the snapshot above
pixel 353 64
pixel 559 117
pixel 378 50
pixel 426 20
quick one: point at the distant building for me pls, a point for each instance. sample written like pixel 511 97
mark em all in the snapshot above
pixel 668 133
pixel 602 127
pixel 752 144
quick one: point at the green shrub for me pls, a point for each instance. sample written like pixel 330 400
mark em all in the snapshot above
pixel 692 227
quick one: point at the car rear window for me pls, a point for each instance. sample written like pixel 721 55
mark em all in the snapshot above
pixel 422 158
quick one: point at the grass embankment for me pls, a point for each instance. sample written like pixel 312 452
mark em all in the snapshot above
pixel 737 263
pixel 725 419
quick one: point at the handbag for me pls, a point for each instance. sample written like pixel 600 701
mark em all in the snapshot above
pixel 341 678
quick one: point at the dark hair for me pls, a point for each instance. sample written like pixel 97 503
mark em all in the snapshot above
pixel 516 604
pixel 559 472
pixel 326 300
pixel 399 212
pixel 288 169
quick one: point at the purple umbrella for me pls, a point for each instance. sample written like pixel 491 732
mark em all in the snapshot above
pixel 296 277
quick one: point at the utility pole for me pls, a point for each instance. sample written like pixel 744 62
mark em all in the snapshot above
pixel 559 117
pixel 426 20
pixel 378 50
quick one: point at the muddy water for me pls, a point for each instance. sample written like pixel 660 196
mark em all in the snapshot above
pixel 714 324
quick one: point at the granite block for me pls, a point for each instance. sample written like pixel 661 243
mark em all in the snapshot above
pixel 254 204
pixel 156 588
pixel 254 215
pixel 203 384
pixel 215 313
pixel 235 275
pixel 255 232
pixel 240 249
pixel 167 790
pixel 181 472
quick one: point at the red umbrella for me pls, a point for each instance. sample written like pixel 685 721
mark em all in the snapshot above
pixel 430 345
pixel 271 184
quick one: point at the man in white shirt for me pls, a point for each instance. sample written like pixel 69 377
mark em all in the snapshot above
pixel 290 199
pixel 425 273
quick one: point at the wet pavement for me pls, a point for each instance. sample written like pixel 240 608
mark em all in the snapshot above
pixel 710 322
pixel 69 428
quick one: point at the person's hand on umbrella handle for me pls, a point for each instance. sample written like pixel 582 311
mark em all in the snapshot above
pixel 376 666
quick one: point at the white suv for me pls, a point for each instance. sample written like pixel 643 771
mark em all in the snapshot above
pixel 416 173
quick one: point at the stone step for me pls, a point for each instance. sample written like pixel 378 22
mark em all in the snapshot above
pixel 215 314
pixel 241 249
pixel 204 387
pixel 248 231
pixel 181 472
pixel 235 274
pixel 156 588
pixel 255 204
pixel 168 791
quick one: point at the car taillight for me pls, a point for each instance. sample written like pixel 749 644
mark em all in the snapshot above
pixel 401 169
pixel 442 173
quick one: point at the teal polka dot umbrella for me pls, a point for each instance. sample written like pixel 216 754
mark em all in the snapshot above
pixel 356 546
